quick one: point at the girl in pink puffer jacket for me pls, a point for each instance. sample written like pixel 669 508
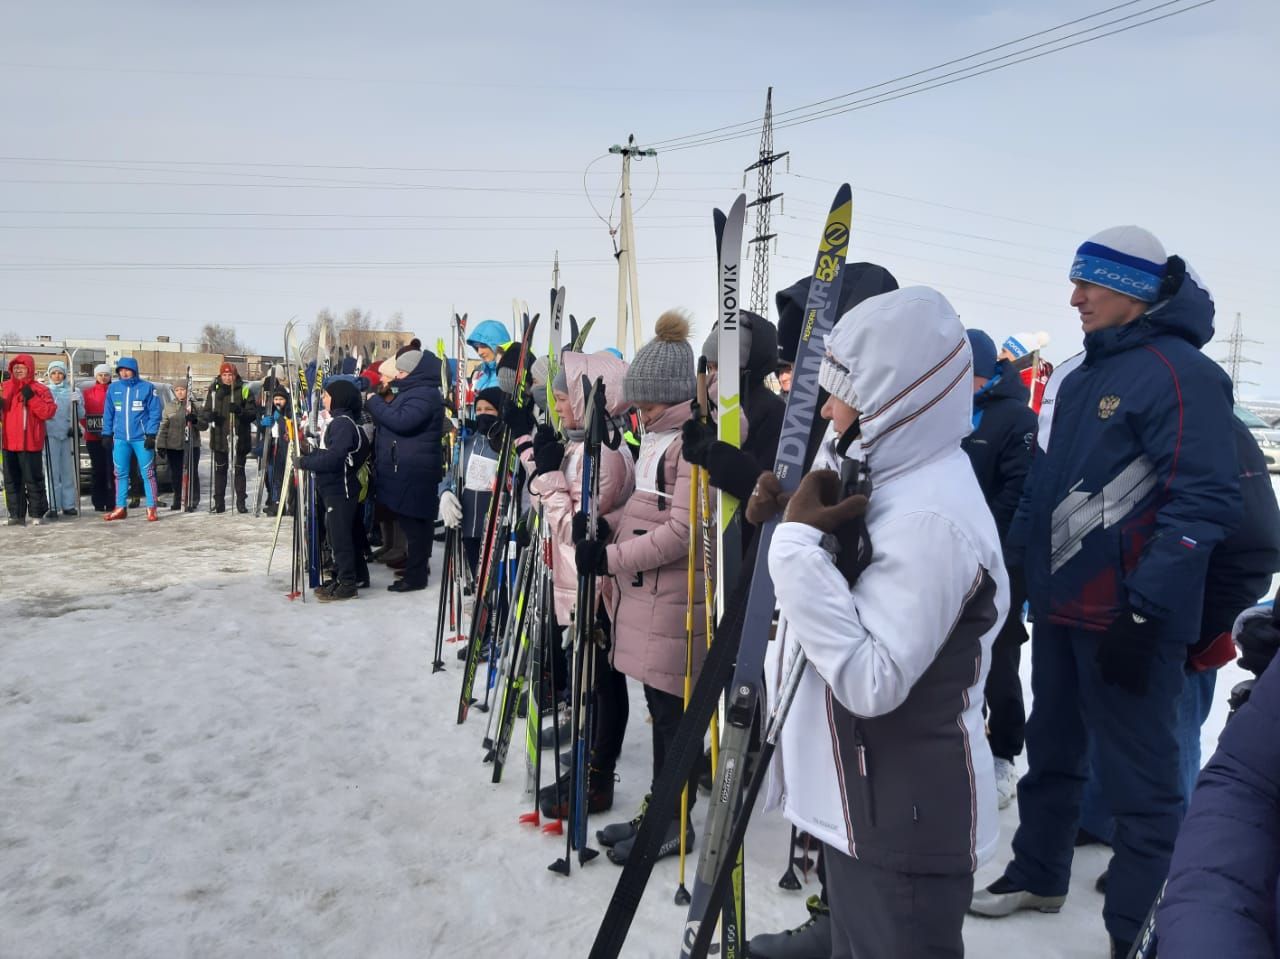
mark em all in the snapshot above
pixel 647 555
pixel 556 485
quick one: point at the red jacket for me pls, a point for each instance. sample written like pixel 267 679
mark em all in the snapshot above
pixel 95 398
pixel 24 421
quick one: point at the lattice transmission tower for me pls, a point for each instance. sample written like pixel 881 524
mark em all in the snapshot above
pixel 1235 358
pixel 763 202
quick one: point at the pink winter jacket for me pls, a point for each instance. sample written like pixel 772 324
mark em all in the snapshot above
pixel 648 561
pixel 560 492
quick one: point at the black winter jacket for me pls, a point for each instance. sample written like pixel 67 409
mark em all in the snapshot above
pixel 1002 443
pixel 343 450
pixel 408 457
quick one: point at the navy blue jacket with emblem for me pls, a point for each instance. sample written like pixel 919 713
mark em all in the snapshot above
pixel 1000 446
pixel 408 457
pixel 1138 482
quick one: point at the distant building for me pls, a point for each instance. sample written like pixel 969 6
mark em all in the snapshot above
pixel 373 344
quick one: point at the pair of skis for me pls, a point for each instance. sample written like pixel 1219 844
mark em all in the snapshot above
pixel 742 635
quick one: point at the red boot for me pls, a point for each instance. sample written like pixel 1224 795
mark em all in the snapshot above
pixel 152 515
pixel 118 513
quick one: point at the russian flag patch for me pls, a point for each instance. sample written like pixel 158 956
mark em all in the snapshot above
pixel 1188 542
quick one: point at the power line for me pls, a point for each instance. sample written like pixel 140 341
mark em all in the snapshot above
pixel 905 76
pixel 966 73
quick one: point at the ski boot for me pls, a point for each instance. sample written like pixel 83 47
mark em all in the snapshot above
pixel 51 516
pixel 618 832
pixel 811 940
pixel 70 512
pixel 118 513
pixel 16 521
pixel 553 800
pixel 621 851
pixel 152 515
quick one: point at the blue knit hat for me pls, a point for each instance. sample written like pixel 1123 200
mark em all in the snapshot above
pixel 984 353
pixel 1127 259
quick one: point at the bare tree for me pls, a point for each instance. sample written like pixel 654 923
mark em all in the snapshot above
pixel 217 338
pixel 10 337
pixel 394 322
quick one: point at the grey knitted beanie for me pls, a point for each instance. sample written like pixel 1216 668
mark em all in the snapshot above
pixel 662 371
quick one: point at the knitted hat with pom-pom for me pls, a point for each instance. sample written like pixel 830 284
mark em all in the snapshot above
pixel 663 370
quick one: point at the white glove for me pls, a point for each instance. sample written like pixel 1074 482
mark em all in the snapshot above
pixel 450 510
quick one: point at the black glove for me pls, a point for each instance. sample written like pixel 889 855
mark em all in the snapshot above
pixel 1125 652
pixel 580 528
pixel 216 418
pixel 548 457
pixel 193 420
pixel 699 438
pixel 27 392
pixel 590 557
pixel 519 419
pixel 1259 640
pixel 107 443
pixel 248 416
pixel 71 431
pixel 150 441
pixel 544 434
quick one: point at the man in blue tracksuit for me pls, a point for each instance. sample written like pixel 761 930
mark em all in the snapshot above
pixel 1133 485
pixel 131 417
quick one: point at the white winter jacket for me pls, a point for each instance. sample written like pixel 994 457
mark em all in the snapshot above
pixel 883 754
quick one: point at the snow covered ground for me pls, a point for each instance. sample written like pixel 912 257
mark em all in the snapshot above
pixel 194 766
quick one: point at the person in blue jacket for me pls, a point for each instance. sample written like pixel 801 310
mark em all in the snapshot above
pixel 1223 894
pixel 409 458
pixel 336 464
pixel 487 339
pixel 1004 434
pixel 131 417
pixel 275 428
pixel 1133 486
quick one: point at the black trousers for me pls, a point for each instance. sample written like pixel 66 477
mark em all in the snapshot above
pixel 221 460
pixel 417 534
pixel 177 466
pixel 102 471
pixel 342 516
pixel 612 707
pixel 876 913
pixel 24 484
pixel 666 710
pixel 1006 715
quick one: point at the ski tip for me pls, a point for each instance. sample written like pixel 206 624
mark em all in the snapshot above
pixel 554 828
pixel 682 896
pixel 560 866
pixel 530 819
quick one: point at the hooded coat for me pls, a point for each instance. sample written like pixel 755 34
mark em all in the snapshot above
pixel 560 491
pixel 1001 444
pixel 494 335
pixel 95 401
pixel 648 564
pixel 1139 485
pixel 408 457
pixel 24 420
pixel 133 408
pixel 884 755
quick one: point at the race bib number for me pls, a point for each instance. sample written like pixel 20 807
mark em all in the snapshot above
pixel 653 449
pixel 480 473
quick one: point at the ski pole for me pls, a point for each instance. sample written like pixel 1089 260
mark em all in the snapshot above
pixel 682 894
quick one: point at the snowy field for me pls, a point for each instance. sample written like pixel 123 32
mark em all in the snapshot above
pixel 194 766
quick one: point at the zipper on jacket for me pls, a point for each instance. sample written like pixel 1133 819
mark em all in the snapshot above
pixel 864 774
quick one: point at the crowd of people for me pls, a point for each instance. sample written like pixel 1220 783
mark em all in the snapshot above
pixel 1121 509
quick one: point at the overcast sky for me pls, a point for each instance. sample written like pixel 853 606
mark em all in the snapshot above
pixel 171 164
